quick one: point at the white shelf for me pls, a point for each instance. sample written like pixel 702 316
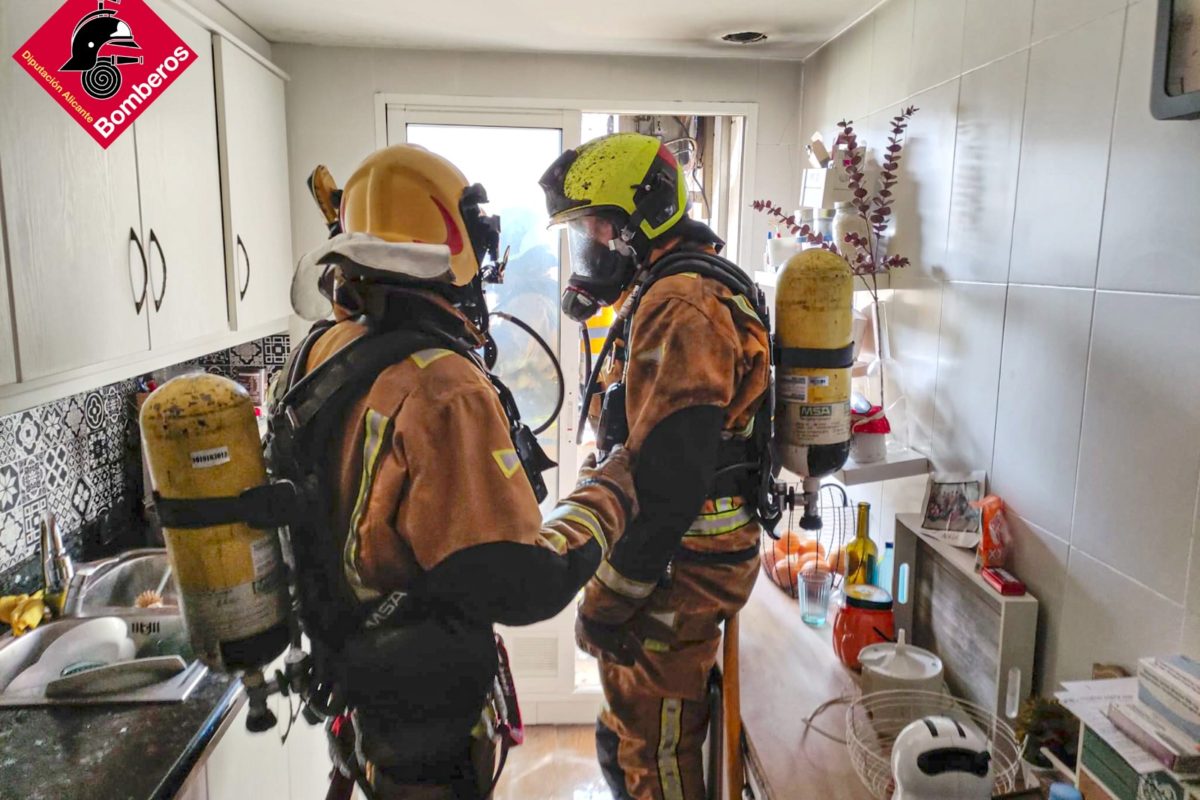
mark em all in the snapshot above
pixel 765 278
pixel 903 463
pixel 898 464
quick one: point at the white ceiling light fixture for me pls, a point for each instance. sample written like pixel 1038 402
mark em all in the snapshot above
pixel 745 37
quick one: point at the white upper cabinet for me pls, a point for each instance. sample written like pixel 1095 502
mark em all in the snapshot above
pixel 8 346
pixel 180 180
pixel 79 282
pixel 254 171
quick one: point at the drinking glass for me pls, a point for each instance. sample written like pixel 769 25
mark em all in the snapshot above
pixel 815 585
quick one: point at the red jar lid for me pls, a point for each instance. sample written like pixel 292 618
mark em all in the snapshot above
pixel 871 598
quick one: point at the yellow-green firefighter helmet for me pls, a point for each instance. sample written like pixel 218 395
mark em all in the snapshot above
pixel 623 172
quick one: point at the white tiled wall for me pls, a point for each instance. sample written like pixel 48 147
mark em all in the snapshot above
pixel 1049 328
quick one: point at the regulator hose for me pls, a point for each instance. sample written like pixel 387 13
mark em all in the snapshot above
pixel 558 373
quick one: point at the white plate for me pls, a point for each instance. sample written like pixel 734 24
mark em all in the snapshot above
pixel 93 643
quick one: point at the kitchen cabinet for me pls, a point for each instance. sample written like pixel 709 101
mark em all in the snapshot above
pixel 308 761
pixel 250 765
pixel 258 233
pixel 180 183
pixel 79 283
pixel 173 242
pixel 8 346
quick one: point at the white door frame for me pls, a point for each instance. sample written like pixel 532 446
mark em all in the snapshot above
pixel 522 105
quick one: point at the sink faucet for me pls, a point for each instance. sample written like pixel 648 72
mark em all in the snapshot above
pixel 57 567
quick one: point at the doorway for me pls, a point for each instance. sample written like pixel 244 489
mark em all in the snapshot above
pixel 506 145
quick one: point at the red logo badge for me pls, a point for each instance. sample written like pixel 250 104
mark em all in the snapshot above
pixel 105 61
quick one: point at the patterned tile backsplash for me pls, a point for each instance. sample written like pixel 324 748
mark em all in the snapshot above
pixel 79 457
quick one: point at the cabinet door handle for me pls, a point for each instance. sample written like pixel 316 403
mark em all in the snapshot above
pixel 242 291
pixel 157 245
pixel 141 301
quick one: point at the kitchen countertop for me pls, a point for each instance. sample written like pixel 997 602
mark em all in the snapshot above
pixel 788 669
pixel 126 752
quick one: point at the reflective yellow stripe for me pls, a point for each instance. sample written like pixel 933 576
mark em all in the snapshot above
pixel 721 522
pixel 744 306
pixel 655 356
pixel 668 745
pixel 637 590
pixel 554 541
pixel 424 358
pixel 377 426
pixel 745 432
pixel 508 460
pixel 655 646
pixel 571 512
pixel 597 335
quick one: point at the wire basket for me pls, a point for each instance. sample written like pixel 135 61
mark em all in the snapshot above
pixel 873 721
pixel 783 559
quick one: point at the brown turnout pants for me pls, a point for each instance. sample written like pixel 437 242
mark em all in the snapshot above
pixel 650 735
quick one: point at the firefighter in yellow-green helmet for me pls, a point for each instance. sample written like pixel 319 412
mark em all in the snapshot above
pixel 681 381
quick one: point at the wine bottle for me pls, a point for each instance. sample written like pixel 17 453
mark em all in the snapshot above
pixel 862 557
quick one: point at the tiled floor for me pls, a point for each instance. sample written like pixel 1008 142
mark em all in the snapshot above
pixel 555 763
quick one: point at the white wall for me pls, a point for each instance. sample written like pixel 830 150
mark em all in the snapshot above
pixel 331 111
pixel 1049 328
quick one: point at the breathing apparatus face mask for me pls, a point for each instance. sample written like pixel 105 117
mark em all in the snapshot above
pixel 602 265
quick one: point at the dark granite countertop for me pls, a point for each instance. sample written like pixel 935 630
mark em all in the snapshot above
pixel 126 752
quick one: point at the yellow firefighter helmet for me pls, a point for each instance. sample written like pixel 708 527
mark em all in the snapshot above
pixel 404 193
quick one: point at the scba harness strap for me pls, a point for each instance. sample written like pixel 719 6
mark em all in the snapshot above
pixel 745 466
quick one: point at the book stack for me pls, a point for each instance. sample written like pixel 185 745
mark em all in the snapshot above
pixel 1164 720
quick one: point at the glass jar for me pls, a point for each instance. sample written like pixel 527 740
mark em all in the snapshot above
pixel 846 220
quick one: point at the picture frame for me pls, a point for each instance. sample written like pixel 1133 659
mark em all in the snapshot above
pixel 1175 92
pixel 947 513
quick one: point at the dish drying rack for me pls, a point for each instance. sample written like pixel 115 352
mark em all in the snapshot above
pixel 837 529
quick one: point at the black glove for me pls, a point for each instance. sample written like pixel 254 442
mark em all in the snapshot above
pixel 615 644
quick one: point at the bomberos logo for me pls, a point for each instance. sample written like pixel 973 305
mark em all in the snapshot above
pixel 116 56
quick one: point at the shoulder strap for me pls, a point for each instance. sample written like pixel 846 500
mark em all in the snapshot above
pixel 710 266
pixel 347 371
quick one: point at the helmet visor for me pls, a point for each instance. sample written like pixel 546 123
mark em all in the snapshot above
pixel 601 263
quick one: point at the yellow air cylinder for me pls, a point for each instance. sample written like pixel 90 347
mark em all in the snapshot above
pixel 201 441
pixel 814 331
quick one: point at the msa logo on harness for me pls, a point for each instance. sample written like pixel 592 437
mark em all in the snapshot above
pixel 384 610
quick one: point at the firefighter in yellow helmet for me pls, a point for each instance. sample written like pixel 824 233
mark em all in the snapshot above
pixel 432 479
pixel 682 383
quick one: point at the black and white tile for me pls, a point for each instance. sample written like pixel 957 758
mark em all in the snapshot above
pixel 79 457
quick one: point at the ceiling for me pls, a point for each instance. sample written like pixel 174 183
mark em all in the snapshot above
pixel 648 27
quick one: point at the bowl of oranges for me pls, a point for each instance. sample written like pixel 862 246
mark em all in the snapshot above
pixel 795 552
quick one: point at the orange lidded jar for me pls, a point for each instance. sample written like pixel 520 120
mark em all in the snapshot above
pixel 865 617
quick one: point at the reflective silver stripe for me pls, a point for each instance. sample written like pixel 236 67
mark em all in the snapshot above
pixel 668 746
pixel 377 426
pixel 572 512
pixel 638 590
pixel 721 522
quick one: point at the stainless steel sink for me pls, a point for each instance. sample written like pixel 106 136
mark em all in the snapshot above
pixel 19 653
pixel 110 587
